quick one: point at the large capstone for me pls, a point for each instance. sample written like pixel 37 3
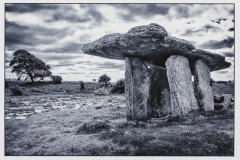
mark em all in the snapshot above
pixel 137 89
pixel 203 90
pixel 180 84
pixel 151 43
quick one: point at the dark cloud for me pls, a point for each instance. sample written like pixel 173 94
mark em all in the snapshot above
pixel 185 11
pixel 228 54
pixel 57 57
pixel 111 65
pixel 68 16
pixel 200 32
pixel 214 44
pixel 66 13
pixel 70 47
pixel 143 10
pixel 63 64
pixel 191 32
pixel 85 37
pixel 97 16
pixel 7 60
pixel 19 34
pixel 26 8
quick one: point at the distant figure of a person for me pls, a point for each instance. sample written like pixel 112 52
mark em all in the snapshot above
pixel 82 87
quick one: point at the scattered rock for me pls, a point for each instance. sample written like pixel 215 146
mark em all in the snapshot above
pixel 231 106
pixel 132 123
pixel 17 150
pixel 200 117
pixel 127 134
pixel 159 120
pixel 101 91
pixel 93 126
pixel 111 130
pixel 218 106
pixel 172 118
pixel 98 107
pixel 20 117
pixel 226 100
pixel 217 98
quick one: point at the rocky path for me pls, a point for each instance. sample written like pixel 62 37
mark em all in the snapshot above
pixel 25 106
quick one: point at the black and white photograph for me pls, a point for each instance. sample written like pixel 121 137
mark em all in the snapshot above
pixel 119 79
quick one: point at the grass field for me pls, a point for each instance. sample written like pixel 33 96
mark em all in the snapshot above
pixel 58 119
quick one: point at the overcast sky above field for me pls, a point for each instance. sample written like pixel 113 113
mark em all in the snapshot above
pixel 56 33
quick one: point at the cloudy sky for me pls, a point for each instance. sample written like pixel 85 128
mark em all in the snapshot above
pixel 56 33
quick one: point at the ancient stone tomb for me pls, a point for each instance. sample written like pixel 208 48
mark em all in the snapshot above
pixel 159 70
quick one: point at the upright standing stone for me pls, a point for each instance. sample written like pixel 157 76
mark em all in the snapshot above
pixel 160 95
pixel 203 90
pixel 226 100
pixel 137 89
pixel 180 84
pixel 147 90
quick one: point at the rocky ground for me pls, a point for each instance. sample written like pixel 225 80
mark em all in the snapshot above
pixel 58 119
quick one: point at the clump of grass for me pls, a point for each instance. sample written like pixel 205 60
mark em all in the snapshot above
pixel 201 143
pixel 16 91
pixel 93 126
pixel 106 149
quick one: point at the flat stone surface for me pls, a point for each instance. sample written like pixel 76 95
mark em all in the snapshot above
pixel 151 43
pixel 180 84
pixel 203 90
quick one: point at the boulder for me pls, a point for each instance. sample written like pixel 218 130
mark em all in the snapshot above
pixel 151 43
pixel 218 106
pixel 101 91
pixel 226 100
pixel 203 90
pixel 218 98
pixel 180 84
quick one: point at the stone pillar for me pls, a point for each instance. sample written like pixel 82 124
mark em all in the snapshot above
pixel 137 89
pixel 203 90
pixel 180 84
pixel 146 89
pixel 160 94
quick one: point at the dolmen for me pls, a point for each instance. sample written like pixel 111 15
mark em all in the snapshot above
pixel 159 70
